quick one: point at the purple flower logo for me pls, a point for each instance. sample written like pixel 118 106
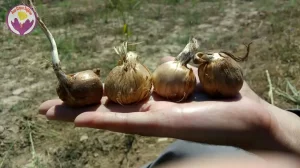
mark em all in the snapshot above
pixel 21 20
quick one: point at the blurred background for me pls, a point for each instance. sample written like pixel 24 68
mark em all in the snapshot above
pixel 86 32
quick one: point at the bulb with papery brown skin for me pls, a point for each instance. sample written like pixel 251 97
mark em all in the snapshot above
pixel 82 88
pixel 129 82
pixel 78 89
pixel 220 74
pixel 174 81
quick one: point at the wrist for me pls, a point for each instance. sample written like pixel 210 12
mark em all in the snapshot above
pixel 285 128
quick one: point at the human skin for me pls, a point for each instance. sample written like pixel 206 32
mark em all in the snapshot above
pixel 266 160
pixel 248 121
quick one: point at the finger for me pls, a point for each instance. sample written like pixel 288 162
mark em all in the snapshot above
pixel 103 85
pixel 45 106
pixel 62 112
pixel 195 71
pixel 142 123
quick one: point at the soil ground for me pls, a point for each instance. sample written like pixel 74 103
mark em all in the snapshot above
pixel 87 30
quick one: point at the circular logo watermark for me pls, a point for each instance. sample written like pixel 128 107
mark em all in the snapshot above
pixel 21 20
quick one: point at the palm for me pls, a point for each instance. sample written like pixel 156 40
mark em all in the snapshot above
pixel 199 119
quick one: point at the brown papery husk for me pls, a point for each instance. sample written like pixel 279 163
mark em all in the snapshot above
pixel 222 77
pixel 128 83
pixel 79 89
pixel 85 88
pixel 174 81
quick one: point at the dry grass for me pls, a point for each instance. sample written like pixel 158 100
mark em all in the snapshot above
pixel 291 93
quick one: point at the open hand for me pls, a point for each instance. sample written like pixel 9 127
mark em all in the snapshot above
pixel 244 121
